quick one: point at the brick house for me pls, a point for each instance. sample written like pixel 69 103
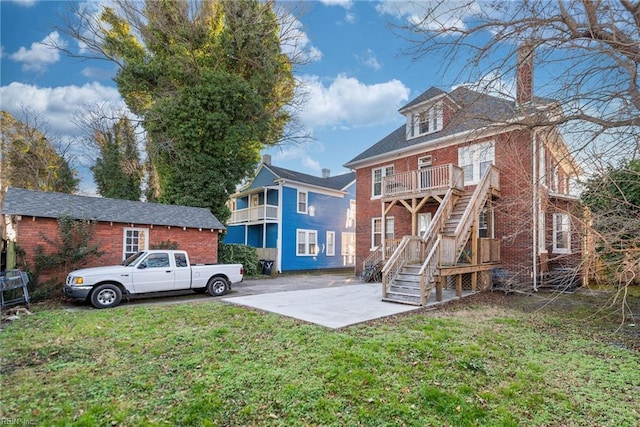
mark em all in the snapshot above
pixel 466 186
pixel 122 227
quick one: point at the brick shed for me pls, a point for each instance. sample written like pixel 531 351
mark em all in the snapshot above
pixel 122 227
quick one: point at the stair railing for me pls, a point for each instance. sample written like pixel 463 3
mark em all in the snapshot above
pixel 409 249
pixel 476 203
pixel 428 271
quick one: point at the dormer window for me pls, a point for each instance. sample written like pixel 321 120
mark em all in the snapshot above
pixel 427 121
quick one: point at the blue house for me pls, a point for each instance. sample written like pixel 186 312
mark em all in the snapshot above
pixel 303 222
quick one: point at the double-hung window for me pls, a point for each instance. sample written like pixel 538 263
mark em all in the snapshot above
pixel 475 160
pixel 376 231
pixel 331 243
pixel 302 202
pixel 561 233
pixel 376 179
pixel 306 242
pixel 134 240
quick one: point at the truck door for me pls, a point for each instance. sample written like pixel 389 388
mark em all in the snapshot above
pixel 182 272
pixel 154 274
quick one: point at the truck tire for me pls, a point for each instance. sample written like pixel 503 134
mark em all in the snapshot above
pixel 106 296
pixel 217 286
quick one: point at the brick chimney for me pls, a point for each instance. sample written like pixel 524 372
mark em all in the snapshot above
pixel 266 159
pixel 524 74
pixel 326 173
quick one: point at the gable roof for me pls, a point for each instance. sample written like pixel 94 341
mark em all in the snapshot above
pixel 268 174
pixel 44 204
pixel 475 111
pixel 337 182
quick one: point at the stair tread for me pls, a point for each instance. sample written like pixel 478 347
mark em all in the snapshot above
pixel 401 301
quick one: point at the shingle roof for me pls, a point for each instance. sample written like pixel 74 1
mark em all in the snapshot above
pixel 337 182
pixel 476 111
pixel 19 201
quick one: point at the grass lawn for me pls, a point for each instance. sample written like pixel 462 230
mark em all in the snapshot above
pixel 490 360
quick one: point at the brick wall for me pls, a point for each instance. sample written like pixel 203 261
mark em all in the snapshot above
pixel 513 210
pixel 202 246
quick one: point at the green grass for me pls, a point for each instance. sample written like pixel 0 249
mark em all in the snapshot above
pixel 491 361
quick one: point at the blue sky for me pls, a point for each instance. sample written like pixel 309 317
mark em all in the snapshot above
pixel 357 79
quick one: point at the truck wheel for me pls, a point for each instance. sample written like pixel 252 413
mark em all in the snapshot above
pixel 217 286
pixel 106 296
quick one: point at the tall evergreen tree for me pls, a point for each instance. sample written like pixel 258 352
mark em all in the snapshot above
pixel 172 57
pixel 118 172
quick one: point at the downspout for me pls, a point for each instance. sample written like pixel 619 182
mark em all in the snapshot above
pixel 534 208
pixel 264 221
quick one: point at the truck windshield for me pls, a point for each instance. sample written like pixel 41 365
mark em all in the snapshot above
pixel 132 259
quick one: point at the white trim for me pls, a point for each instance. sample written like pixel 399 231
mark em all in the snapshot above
pixel 333 245
pixel 307 242
pixel 145 245
pixel 279 236
pixel 559 221
pixel 437 143
pixel 306 202
pixel 383 173
pixel 474 155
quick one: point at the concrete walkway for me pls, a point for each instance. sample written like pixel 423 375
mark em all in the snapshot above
pixel 333 301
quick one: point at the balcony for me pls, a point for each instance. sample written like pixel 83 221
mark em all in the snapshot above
pixel 436 179
pixel 254 214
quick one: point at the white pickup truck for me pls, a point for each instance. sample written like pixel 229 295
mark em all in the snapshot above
pixel 150 271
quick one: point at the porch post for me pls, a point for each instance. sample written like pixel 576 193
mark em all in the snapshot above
pixel 414 218
pixel 383 231
pixel 264 220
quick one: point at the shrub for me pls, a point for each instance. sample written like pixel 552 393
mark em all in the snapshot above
pixel 231 253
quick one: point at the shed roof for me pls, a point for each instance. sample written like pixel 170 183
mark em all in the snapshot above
pixel 45 204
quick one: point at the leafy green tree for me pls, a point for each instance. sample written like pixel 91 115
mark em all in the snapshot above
pixel 118 171
pixel 171 51
pixel 29 159
pixel 613 199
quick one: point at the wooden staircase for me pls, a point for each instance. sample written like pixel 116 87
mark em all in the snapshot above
pixel 461 205
pixel 408 280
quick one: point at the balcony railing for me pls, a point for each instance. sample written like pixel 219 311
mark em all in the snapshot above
pixel 440 177
pixel 254 214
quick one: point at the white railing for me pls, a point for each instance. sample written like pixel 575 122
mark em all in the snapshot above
pixel 420 181
pixel 254 214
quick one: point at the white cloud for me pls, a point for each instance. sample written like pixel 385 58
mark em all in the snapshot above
pixel 305 155
pixel 25 3
pixel 40 54
pixel 59 105
pixel 348 103
pixel 343 3
pixel 370 60
pixel 447 14
pixel 96 73
pixel 294 41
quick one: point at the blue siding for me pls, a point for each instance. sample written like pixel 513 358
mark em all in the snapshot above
pixel 330 215
pixel 272 235
pixel 242 202
pixel 264 178
pixel 272 197
pixel 234 234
